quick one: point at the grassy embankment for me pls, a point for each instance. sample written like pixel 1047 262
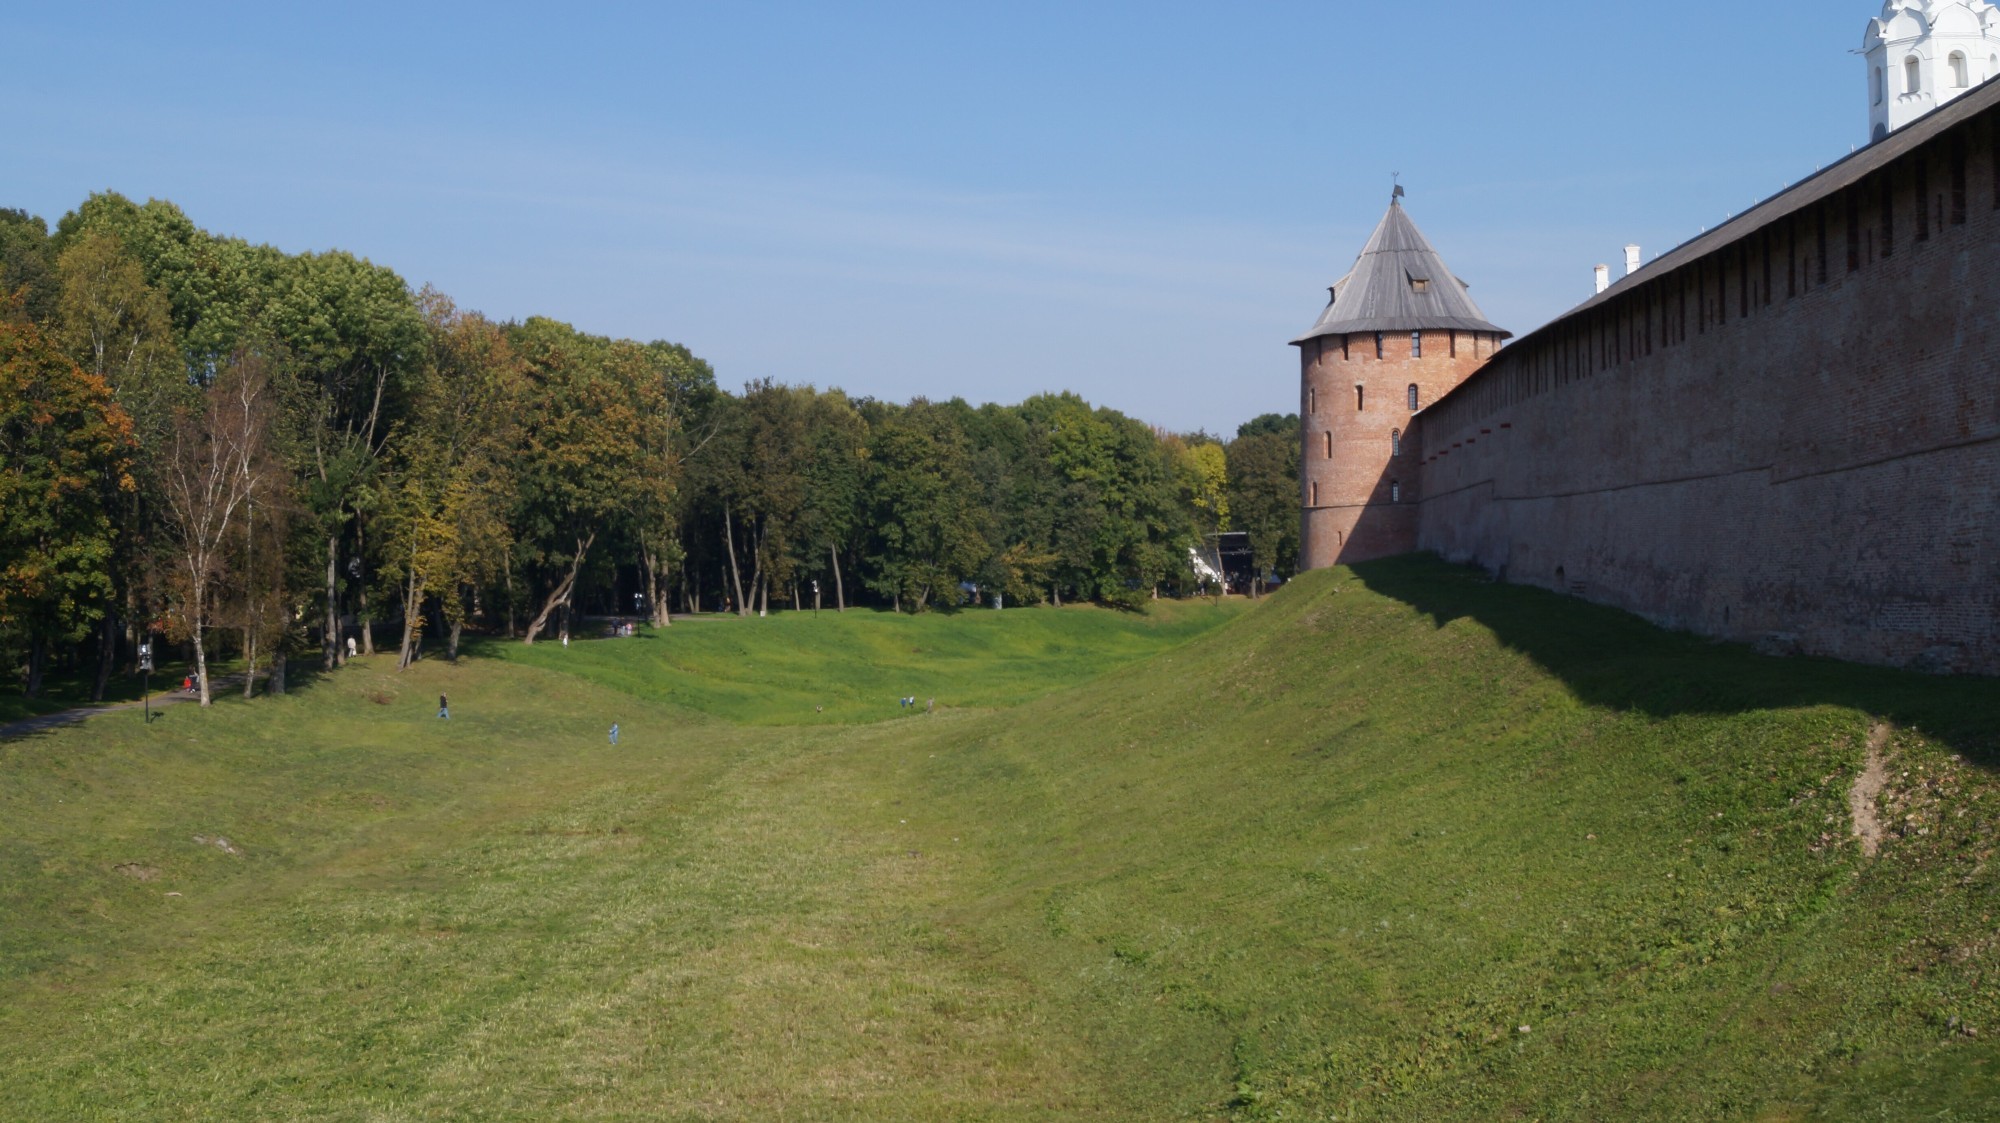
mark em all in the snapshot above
pixel 1402 846
pixel 798 668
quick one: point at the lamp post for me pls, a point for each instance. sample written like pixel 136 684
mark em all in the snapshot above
pixel 146 679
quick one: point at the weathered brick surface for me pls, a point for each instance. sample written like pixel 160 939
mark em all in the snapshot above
pixel 1746 447
pixel 1351 472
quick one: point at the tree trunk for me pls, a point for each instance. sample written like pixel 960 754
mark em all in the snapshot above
pixel 367 625
pixel 200 648
pixel 132 636
pixel 457 627
pixel 435 621
pixel 412 602
pixel 549 607
pixel 839 590
pixel 332 656
pixel 651 565
pixel 659 590
pixel 507 574
pixel 560 597
pixel 735 574
pixel 277 683
pixel 249 602
pixel 107 654
pixel 757 582
pixel 507 571
pixel 38 657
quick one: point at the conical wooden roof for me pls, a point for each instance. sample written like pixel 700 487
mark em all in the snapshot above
pixel 1399 283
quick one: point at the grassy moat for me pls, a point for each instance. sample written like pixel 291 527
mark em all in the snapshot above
pixel 1396 844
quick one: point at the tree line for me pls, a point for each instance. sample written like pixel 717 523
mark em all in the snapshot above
pixel 276 456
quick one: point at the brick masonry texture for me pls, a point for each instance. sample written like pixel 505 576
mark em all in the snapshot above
pixel 1792 440
pixel 1358 491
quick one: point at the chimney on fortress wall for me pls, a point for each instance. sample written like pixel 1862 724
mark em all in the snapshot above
pixel 1631 260
pixel 1603 277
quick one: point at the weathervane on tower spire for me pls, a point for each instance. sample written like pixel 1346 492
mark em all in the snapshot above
pixel 1396 178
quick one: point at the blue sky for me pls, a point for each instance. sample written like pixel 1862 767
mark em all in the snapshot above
pixel 1140 203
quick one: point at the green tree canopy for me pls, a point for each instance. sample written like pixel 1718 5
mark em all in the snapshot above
pixel 1264 495
pixel 27 266
pixel 65 452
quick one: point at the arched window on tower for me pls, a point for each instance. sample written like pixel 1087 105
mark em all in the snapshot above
pixel 1413 397
pixel 1360 397
pixel 1315 495
pixel 1327 443
pixel 1878 85
pixel 1416 345
pixel 1378 344
pixel 1312 400
pixel 1913 75
pixel 1961 75
pixel 1395 442
pixel 1395 491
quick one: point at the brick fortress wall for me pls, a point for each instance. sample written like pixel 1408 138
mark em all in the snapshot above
pixel 1789 434
pixel 1358 493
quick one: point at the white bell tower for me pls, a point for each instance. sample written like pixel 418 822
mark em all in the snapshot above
pixel 1923 53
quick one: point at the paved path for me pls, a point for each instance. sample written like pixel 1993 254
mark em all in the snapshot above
pixel 170 697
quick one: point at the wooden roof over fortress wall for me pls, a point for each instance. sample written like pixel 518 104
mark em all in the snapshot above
pixel 1469 399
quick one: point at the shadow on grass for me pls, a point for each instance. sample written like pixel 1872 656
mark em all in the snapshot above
pixel 1613 659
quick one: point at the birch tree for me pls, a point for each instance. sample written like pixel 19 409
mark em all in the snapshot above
pixel 216 463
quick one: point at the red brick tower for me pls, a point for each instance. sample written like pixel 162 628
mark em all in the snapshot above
pixel 1399 331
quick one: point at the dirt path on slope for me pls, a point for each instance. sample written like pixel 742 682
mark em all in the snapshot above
pixel 1867 788
pixel 45 722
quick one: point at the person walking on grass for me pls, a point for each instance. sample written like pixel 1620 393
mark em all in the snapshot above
pixel 614 733
pixel 444 707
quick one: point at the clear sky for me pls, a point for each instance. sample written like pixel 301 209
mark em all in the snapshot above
pixel 1141 203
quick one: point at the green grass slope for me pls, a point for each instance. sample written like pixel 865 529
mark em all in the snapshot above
pixel 844 667
pixel 1397 844
pixel 1420 847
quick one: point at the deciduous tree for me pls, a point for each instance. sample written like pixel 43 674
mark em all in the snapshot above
pixel 445 511
pixel 925 517
pixel 582 453
pixel 217 462
pixel 65 455
pixel 1264 492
